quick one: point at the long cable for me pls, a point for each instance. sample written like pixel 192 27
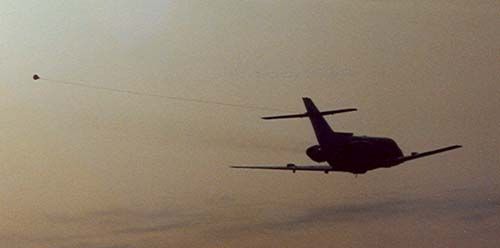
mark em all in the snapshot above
pixel 138 93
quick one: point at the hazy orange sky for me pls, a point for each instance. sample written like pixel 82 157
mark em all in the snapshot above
pixel 82 168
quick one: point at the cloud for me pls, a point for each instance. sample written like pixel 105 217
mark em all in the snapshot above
pixel 462 209
pixel 114 215
pixel 151 229
pixel 122 221
pixel 93 245
pixel 482 210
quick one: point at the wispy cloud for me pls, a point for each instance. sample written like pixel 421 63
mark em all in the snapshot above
pixel 93 245
pixel 151 229
pixel 464 207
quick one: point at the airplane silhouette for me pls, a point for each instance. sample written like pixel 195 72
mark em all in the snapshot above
pixel 345 152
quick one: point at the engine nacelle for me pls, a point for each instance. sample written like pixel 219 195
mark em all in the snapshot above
pixel 316 154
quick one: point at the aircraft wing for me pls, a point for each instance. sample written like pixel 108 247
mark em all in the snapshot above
pixel 429 153
pixel 290 167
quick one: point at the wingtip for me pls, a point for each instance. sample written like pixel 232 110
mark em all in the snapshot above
pixel 350 109
pixel 449 148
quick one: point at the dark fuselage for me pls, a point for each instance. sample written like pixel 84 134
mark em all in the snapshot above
pixel 356 154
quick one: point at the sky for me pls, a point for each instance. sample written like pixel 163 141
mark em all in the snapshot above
pixel 84 168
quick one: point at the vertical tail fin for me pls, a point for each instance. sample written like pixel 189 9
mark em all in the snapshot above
pixel 321 128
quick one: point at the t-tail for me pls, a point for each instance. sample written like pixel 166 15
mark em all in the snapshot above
pixel 323 131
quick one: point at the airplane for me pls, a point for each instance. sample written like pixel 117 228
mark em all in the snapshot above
pixel 345 152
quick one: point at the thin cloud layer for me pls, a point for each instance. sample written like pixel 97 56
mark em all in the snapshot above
pixel 462 208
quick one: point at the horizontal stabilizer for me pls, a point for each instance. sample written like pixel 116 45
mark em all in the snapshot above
pixel 330 112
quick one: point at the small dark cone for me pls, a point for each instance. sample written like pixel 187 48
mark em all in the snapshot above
pixel 36 77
